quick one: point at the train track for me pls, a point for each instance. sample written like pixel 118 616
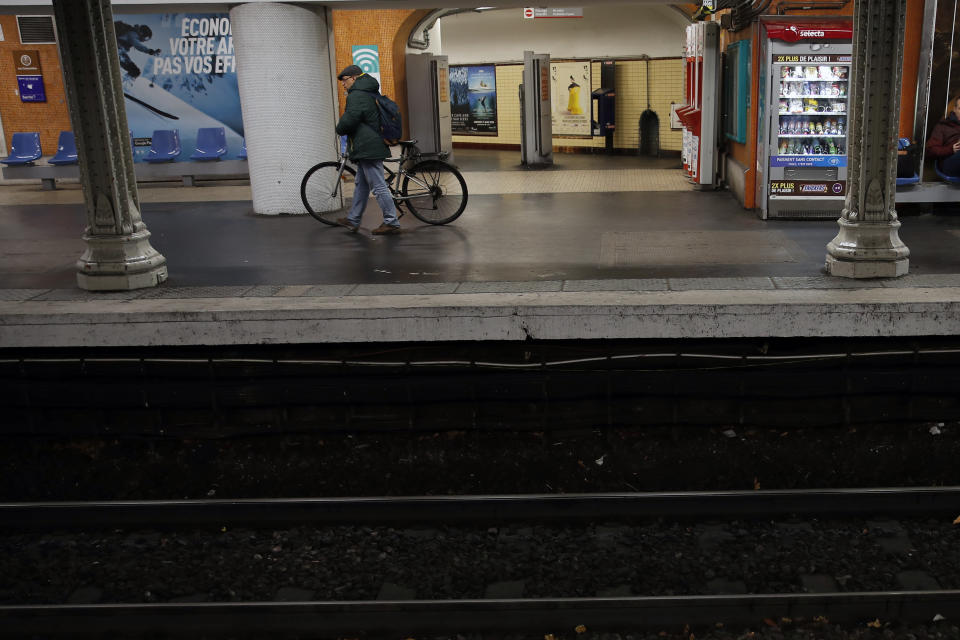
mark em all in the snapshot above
pixel 467 509
pixel 487 615
pixel 270 619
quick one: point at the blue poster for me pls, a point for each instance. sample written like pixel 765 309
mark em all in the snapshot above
pixel 808 161
pixel 179 72
pixel 31 89
pixel 473 99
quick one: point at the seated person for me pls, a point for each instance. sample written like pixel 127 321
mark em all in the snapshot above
pixel 944 142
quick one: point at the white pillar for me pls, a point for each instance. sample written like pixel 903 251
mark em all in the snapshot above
pixel 286 93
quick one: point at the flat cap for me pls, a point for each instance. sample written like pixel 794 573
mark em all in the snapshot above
pixel 350 70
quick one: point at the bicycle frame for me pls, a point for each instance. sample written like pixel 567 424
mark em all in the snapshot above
pixel 393 178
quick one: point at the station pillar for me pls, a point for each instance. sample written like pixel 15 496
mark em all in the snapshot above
pixel 868 244
pixel 118 254
pixel 286 82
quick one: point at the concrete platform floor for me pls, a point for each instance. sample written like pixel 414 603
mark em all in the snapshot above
pixel 677 263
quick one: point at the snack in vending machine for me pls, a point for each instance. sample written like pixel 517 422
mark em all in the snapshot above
pixel 810 73
pixel 825 73
pixel 817 148
pixel 819 128
pixel 785 72
pixel 796 106
pixel 783 106
pixel 783 148
pixel 841 125
pixel 798 73
pixel 833 148
pixel 842 92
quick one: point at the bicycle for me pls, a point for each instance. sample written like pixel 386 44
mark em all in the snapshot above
pixel 432 189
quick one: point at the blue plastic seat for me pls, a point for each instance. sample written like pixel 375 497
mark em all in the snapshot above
pixel 903 182
pixel 211 144
pixel 66 149
pixel 24 149
pixel 164 146
pixel 243 150
pixel 944 176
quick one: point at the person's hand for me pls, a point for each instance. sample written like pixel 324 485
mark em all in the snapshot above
pixel 956 146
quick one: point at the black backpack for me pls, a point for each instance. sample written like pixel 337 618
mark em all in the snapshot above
pixel 907 163
pixel 391 120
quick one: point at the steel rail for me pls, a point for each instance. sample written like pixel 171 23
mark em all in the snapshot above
pixel 927 501
pixel 425 616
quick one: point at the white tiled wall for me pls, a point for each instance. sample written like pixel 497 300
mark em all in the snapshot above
pixel 666 86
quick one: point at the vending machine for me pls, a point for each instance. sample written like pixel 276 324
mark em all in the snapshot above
pixel 804 91
pixel 700 113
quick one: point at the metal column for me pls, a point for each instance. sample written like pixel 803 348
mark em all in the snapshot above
pixel 118 254
pixel 868 244
pixel 537 147
pixel 428 102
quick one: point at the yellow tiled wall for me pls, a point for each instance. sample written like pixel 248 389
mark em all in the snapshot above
pixel 666 86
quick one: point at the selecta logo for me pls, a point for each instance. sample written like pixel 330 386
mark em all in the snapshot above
pixel 813 188
pixel 794 33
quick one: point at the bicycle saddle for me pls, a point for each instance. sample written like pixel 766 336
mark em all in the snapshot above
pixel 407 143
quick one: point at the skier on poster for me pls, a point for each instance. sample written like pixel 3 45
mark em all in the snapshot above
pixel 134 36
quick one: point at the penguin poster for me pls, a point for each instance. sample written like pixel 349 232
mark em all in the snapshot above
pixel 473 99
pixel 570 85
pixel 179 72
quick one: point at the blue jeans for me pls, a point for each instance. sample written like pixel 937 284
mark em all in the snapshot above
pixel 951 165
pixel 370 178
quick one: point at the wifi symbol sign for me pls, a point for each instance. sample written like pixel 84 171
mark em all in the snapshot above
pixel 367 57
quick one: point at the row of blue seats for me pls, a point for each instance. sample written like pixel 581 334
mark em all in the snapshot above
pixel 165 147
pixel 25 148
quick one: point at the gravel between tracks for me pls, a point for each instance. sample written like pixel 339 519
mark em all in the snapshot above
pixel 478 462
pixel 360 563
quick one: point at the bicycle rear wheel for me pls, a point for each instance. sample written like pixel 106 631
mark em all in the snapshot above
pixel 326 194
pixel 435 192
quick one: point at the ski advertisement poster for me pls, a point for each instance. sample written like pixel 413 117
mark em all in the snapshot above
pixel 473 99
pixel 179 73
pixel 571 87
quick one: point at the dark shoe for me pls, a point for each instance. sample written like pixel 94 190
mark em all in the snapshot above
pixel 343 222
pixel 386 230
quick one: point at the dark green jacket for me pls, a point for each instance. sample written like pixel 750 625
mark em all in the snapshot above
pixel 360 121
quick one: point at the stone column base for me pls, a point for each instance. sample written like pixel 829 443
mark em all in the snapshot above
pixel 120 263
pixel 867 250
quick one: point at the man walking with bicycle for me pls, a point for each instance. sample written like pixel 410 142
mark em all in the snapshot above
pixel 360 122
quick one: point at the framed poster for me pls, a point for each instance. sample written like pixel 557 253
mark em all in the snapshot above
pixel 473 99
pixel 572 111
pixel 179 72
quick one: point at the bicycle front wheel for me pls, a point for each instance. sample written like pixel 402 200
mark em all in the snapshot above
pixel 326 193
pixel 434 191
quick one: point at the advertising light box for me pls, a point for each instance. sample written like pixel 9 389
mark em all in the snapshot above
pixel 179 72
